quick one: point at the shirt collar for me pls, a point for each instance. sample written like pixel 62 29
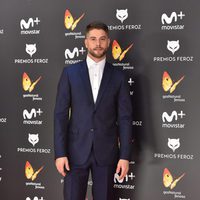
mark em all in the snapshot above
pixel 91 63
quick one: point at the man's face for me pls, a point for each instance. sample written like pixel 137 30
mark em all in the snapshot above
pixel 97 43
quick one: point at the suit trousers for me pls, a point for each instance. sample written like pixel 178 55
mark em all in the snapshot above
pixel 76 181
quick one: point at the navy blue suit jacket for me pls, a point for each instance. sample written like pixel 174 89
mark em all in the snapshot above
pixel 105 126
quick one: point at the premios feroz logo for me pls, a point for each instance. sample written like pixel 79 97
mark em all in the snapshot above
pixel 119 54
pixel 71 24
pixel 173 47
pixel 171 21
pixel 174 145
pixel 122 16
pixel 33 140
pixel 29 26
pixel 31 50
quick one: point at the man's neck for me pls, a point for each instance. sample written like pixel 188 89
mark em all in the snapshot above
pixel 96 59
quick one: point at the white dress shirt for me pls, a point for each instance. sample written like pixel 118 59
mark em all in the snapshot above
pixel 95 74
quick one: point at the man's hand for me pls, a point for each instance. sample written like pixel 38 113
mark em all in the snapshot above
pixel 62 163
pixel 122 168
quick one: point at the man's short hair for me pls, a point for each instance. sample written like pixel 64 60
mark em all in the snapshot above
pixel 97 25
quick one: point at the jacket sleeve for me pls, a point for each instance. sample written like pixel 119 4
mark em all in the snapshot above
pixel 125 120
pixel 61 115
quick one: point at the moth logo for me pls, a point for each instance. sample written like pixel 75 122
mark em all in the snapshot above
pixel 168 84
pixel 74 53
pixel 32 114
pixel 35 198
pixel 30 173
pixel 117 52
pixel 122 14
pixel 173 116
pixel 165 19
pixel 168 179
pixel 30 23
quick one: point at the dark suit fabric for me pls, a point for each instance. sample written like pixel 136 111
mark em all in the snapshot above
pixel 99 126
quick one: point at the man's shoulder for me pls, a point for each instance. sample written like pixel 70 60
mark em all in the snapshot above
pixel 74 67
pixel 116 70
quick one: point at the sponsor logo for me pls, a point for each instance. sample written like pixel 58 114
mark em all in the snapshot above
pixel 31 49
pixel 3 120
pixel 173 46
pixel 29 86
pixel 118 54
pixel 71 24
pixel 1 31
pixel 32 175
pixel 73 55
pixel 124 199
pixel 35 198
pixel 170 182
pixel 33 139
pixel 174 144
pixel 174 116
pixel 32 114
pixel 173 18
pixel 125 183
pixel 137 123
pixel 169 86
pixel 28 26
pixel 122 15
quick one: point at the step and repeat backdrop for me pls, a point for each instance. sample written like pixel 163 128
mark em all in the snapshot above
pixel 156 43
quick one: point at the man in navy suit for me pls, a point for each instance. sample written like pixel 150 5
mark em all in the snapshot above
pixel 92 121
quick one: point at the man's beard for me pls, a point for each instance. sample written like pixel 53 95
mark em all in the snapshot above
pixel 98 55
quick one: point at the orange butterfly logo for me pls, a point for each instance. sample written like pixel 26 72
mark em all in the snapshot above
pixel 30 173
pixel 27 83
pixel 168 84
pixel 168 180
pixel 117 51
pixel 70 23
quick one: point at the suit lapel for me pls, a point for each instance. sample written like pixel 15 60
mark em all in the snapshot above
pixel 86 80
pixel 104 82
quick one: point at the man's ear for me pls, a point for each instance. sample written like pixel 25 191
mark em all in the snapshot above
pixel 85 41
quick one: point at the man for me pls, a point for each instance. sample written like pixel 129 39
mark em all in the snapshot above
pixel 93 116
